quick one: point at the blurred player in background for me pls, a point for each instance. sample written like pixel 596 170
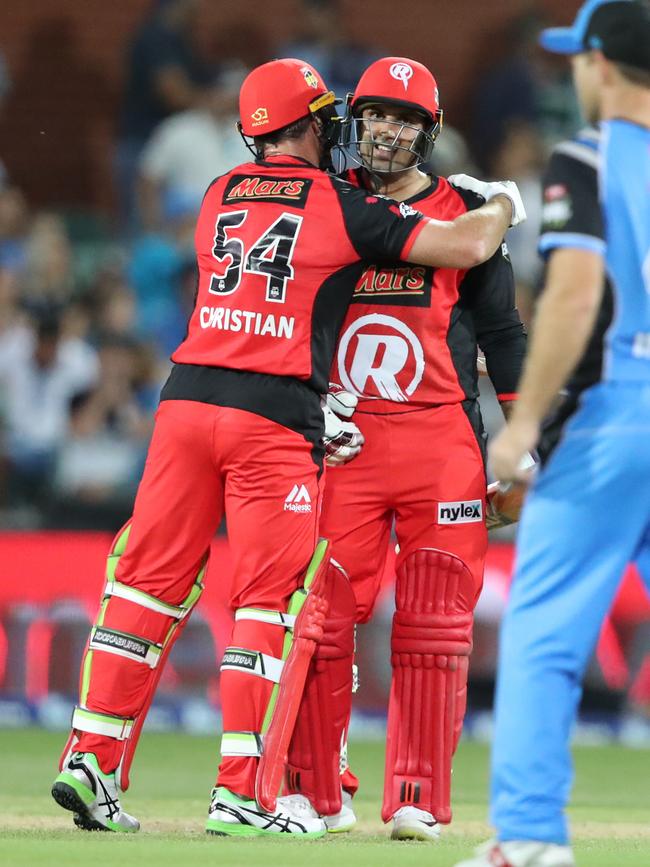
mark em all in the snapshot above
pixel 238 433
pixel 408 353
pixel 589 512
pixel 572 220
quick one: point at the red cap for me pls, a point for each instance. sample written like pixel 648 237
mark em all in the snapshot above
pixel 279 93
pixel 398 80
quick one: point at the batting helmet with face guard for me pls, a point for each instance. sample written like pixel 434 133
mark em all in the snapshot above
pixel 406 84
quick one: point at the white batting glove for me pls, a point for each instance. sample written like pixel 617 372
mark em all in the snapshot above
pixel 342 440
pixel 490 189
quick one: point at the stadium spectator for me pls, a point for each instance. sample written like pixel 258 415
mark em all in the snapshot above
pixel 155 272
pixel 100 461
pixel 525 86
pixel 322 41
pixel 187 151
pixel 39 374
pixel 165 73
pixel 520 156
pixel 47 279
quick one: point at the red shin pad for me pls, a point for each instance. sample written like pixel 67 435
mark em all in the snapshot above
pixel 431 642
pixel 313 768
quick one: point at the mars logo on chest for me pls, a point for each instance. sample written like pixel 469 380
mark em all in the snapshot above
pixel 403 285
pixel 245 188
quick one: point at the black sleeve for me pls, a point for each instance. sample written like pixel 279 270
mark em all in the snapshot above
pixel 489 291
pixel 378 228
pixel 571 212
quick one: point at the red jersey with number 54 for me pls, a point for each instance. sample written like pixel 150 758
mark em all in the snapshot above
pixel 280 247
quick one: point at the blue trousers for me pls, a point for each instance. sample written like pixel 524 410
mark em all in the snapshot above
pixel 587 516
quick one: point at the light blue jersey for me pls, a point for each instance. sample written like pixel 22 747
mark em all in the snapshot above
pixel 625 197
pixel 586 517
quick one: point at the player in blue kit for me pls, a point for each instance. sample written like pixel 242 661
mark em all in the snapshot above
pixel 589 511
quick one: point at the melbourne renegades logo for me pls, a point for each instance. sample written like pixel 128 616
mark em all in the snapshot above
pixel 402 72
pixel 379 356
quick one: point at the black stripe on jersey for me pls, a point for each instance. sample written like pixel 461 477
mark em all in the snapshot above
pixel 282 399
pixel 328 313
pixel 472 410
pixel 577 180
pixel 377 227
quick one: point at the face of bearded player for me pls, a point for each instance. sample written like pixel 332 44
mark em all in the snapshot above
pixel 389 137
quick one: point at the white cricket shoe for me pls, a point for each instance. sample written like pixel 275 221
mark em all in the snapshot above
pixel 338 823
pixel 411 823
pixel 91 795
pixel 520 853
pixel 233 816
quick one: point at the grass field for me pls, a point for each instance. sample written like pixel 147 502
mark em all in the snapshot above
pixel 172 777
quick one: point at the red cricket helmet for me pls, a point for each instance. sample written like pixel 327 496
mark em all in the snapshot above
pixel 279 93
pixel 404 83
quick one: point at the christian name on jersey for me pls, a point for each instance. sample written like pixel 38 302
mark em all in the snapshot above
pixel 246 188
pixel 247 321
pixel 407 285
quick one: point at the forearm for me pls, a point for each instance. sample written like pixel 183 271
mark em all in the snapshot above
pixel 466 241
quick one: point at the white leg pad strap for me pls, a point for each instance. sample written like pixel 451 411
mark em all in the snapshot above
pixel 241 744
pixel 252 662
pixel 114 588
pixel 101 723
pixel 123 644
pixel 264 615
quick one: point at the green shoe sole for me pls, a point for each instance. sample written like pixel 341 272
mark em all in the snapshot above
pixel 70 794
pixel 230 829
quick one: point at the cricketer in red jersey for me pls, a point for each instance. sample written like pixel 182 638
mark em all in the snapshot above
pixel 238 433
pixel 408 350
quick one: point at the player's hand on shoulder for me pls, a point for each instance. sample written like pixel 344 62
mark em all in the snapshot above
pixel 490 189
pixel 342 439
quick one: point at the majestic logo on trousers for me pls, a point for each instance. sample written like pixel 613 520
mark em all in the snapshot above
pixel 379 356
pixel 461 512
pixel 298 500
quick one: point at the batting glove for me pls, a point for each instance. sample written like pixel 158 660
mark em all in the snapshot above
pixel 490 189
pixel 342 440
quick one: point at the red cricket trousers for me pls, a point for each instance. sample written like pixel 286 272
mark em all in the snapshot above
pixel 415 468
pixel 205 461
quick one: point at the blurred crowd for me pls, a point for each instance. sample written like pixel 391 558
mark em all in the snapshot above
pixel 92 305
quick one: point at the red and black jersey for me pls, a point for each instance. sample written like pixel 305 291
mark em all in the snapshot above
pixel 410 336
pixel 279 248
